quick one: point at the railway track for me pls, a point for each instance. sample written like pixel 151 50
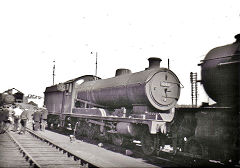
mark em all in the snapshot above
pixel 33 150
pixel 163 159
pixel 8 148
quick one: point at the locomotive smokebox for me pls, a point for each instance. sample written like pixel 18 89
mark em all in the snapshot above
pixel 154 62
pixel 8 99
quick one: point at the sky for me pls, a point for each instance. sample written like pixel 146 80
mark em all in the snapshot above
pixel 124 33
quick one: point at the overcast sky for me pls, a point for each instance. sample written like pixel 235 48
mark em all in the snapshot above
pixel 124 33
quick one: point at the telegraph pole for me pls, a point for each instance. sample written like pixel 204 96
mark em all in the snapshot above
pixel 96 64
pixel 168 61
pixel 53 71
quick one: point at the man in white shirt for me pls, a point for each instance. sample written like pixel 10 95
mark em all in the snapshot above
pixel 17 112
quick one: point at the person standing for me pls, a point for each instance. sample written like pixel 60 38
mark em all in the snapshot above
pixel 24 118
pixel 5 122
pixel 11 112
pixel 17 112
pixel 44 118
pixel 37 119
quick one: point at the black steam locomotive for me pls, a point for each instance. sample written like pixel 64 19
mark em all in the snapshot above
pixel 8 98
pixel 143 106
pixel 11 96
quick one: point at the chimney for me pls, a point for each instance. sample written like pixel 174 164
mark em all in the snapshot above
pixel 154 62
pixel 122 71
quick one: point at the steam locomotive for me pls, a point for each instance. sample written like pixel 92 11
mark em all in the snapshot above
pixel 143 106
pixel 8 97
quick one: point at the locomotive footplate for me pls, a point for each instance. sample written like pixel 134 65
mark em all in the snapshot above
pixel 155 126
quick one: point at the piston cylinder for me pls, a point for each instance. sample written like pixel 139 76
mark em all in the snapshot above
pixel 127 129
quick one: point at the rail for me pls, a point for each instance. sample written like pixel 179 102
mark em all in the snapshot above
pixel 83 162
pixel 26 155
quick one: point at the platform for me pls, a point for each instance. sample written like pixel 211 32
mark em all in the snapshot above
pixel 94 154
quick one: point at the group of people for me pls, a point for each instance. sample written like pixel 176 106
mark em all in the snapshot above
pixel 40 119
pixel 16 117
